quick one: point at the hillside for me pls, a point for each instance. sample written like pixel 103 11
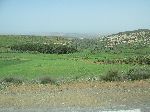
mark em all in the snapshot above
pixel 137 39
pixel 7 40
pixel 141 36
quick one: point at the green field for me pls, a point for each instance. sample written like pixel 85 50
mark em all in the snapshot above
pixel 33 65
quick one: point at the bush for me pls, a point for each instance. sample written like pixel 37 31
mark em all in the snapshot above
pixel 47 80
pixel 112 75
pixel 138 73
pixel 12 80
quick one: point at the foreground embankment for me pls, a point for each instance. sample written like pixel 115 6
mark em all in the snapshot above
pixel 103 95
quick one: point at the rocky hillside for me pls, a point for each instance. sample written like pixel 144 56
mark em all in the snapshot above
pixel 141 36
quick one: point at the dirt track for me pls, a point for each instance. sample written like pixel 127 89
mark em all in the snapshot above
pixel 110 95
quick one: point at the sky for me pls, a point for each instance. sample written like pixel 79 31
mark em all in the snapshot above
pixel 73 16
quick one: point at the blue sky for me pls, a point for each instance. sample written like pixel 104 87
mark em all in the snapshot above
pixel 70 16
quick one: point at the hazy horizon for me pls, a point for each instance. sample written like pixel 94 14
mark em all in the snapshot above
pixel 42 17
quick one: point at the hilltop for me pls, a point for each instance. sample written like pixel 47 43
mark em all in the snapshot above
pixel 140 36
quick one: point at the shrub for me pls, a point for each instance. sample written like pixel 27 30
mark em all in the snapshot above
pixel 12 80
pixel 138 73
pixel 112 75
pixel 47 80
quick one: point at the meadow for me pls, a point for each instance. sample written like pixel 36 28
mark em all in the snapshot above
pixel 80 65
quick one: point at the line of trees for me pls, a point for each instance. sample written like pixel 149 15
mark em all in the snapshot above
pixel 44 48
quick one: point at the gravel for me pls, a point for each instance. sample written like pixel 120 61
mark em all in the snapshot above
pixel 77 97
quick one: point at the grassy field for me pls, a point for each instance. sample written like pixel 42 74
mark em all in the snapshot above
pixel 33 65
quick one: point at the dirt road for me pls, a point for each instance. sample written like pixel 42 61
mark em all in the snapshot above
pixel 77 97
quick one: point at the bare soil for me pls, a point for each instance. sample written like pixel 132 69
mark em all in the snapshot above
pixel 131 94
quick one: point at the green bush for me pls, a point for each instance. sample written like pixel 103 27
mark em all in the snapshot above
pixel 12 80
pixel 138 73
pixel 112 75
pixel 47 80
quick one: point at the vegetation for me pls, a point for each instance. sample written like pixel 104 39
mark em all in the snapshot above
pixel 138 73
pixel 46 80
pixel 112 75
pixel 60 58
pixel 44 48
pixel 12 80
pixel 141 60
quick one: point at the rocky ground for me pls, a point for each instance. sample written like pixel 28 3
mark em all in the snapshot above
pixel 76 95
